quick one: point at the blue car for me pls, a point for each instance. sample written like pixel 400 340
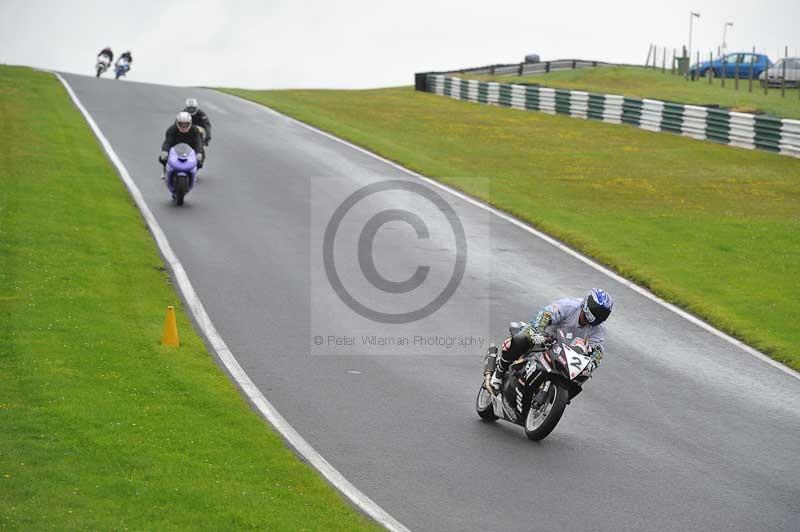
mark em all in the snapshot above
pixel 726 65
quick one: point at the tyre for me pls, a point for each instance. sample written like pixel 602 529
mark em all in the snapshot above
pixel 483 405
pixel 181 188
pixel 543 415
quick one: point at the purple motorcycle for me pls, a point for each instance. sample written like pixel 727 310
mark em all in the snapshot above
pixel 181 171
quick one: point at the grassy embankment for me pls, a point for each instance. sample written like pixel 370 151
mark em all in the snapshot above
pixel 102 427
pixel 709 227
pixel 639 82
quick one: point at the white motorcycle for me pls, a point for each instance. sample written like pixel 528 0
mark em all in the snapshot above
pixel 103 62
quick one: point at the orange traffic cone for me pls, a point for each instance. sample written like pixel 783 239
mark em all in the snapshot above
pixel 170 336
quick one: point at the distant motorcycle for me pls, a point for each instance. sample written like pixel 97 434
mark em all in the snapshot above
pixel 122 67
pixel 537 387
pixel 181 171
pixel 103 62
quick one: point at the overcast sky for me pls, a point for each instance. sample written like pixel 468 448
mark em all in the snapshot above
pixel 369 43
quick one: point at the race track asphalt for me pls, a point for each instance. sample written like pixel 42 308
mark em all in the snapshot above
pixel 679 430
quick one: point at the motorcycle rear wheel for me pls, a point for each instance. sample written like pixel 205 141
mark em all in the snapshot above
pixel 541 419
pixel 484 406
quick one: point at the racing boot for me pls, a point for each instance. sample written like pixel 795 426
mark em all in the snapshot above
pixel 500 369
pixel 497 380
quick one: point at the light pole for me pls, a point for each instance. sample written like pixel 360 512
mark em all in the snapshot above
pixel 724 29
pixel 692 16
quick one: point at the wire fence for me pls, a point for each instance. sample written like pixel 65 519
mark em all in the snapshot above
pixel 750 70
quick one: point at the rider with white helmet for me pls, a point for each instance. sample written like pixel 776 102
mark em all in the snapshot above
pixel 199 117
pixel 182 131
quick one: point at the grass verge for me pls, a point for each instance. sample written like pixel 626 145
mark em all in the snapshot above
pixel 637 82
pixel 103 428
pixel 709 227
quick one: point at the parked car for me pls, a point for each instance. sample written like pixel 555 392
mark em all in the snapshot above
pixel 532 58
pixel 726 65
pixel 774 74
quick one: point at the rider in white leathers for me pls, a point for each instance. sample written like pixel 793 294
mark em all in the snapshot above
pixel 578 318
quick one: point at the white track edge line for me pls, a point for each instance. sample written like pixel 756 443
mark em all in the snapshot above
pixel 269 412
pixel 550 240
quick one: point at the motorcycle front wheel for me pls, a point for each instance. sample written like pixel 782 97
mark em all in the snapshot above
pixel 181 188
pixel 547 406
pixel 484 406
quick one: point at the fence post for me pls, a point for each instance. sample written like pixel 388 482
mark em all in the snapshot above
pixel 723 71
pixel 736 73
pixel 673 62
pixel 547 67
pixel 710 71
pixel 647 61
pixel 783 73
pixel 752 64
pixel 664 61
pixel 697 70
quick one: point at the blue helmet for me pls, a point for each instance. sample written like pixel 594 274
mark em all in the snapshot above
pixel 597 306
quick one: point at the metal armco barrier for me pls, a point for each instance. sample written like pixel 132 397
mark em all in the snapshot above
pixel 780 135
pixel 530 69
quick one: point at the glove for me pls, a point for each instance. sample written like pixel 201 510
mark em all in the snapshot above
pixel 162 158
pixel 590 368
pixel 597 355
pixel 538 339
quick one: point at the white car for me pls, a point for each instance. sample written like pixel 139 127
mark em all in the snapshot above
pixel 774 74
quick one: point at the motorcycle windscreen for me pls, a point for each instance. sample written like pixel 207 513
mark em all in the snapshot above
pixel 182 157
pixel 576 360
pixel 183 151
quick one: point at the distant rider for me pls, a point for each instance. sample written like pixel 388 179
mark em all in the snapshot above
pixel 182 131
pixel 108 53
pixel 199 118
pixel 125 55
pixel 577 318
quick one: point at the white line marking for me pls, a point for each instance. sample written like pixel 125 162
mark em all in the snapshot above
pixel 248 387
pixel 550 240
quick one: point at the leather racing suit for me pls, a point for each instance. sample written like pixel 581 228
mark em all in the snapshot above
pixel 562 314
